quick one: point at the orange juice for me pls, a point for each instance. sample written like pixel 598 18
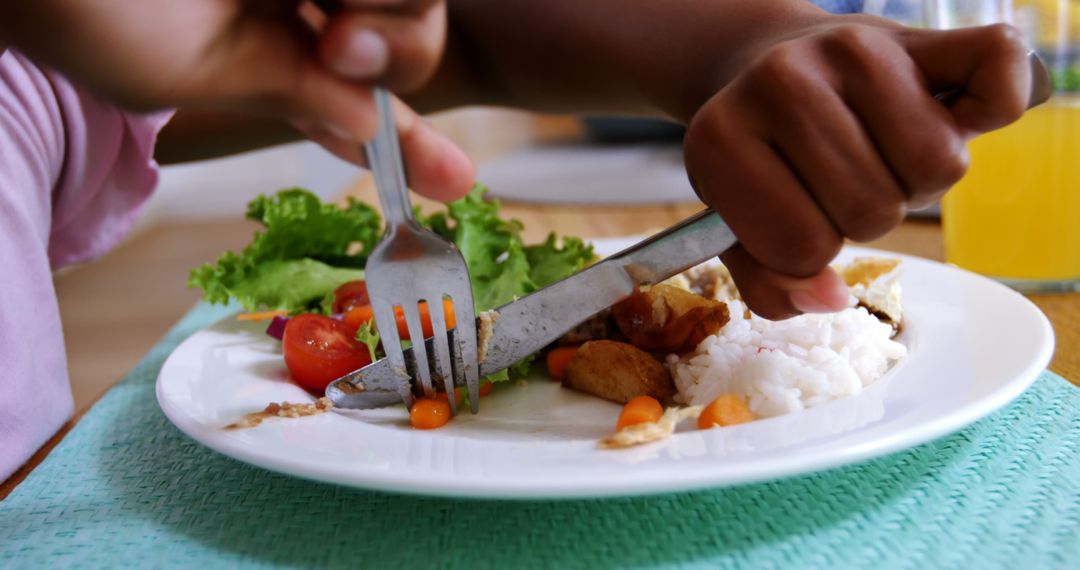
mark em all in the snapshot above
pixel 1016 214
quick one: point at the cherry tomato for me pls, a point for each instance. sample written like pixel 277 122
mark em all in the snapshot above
pixel 429 414
pixel 319 349
pixel 350 294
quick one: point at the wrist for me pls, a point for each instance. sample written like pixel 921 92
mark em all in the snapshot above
pixel 763 26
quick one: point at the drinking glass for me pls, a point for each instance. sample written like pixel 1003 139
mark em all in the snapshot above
pixel 1015 216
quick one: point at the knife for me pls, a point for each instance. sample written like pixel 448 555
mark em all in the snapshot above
pixel 523 327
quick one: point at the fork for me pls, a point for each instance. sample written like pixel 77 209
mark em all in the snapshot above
pixel 412 265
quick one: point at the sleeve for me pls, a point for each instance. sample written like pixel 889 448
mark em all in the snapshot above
pixel 35 399
pixel 74 171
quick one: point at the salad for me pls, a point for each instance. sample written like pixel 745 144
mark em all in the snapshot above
pixel 304 271
pixel 689 341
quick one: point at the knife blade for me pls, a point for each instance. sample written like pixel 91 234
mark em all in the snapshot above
pixel 522 327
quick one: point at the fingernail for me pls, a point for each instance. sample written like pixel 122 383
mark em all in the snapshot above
pixel 337 131
pixel 806 302
pixel 366 56
pixel 827 298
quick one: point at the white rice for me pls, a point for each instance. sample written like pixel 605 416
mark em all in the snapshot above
pixel 786 366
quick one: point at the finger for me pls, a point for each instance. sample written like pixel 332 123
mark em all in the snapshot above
pixel 918 137
pixel 777 296
pixel 435 166
pixel 268 66
pixel 842 167
pixel 754 189
pixel 398 49
pixel 989 64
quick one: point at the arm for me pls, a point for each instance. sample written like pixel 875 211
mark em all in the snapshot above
pixel 803 128
pixel 631 56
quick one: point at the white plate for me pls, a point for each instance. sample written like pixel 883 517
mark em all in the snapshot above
pixel 974 346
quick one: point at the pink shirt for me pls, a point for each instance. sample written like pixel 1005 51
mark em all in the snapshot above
pixel 74 172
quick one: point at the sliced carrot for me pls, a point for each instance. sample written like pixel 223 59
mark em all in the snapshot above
pixel 485 389
pixel 639 410
pixel 261 315
pixel 425 319
pixel 557 359
pixel 726 410
pixel 359 315
pixel 429 414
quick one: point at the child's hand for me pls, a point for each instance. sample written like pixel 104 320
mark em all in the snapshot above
pixel 282 58
pixel 834 133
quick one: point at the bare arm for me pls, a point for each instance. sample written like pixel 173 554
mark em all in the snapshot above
pixel 803 128
pixel 628 56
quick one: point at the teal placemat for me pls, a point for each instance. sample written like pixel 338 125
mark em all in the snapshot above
pixel 126 489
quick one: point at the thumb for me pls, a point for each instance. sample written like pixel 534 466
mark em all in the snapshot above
pixel 982 72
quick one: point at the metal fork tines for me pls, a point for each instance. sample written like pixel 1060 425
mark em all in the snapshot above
pixel 413 265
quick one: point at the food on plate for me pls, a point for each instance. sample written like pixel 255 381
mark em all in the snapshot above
pixel 740 367
pixel 358 316
pixel 638 410
pixel 689 340
pixel 617 371
pixel 308 262
pixel 350 294
pixel 429 413
pixel 486 321
pixel 648 432
pixel 319 349
pixel 789 365
pixel 725 410
pixel 665 318
pixel 261 315
pixel 873 282
pixel 557 359
pixel 597 327
pixel 283 410
pixel 308 249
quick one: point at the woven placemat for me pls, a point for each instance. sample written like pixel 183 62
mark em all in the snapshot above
pixel 126 489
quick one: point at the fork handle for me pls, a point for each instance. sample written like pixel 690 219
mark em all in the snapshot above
pixel 383 155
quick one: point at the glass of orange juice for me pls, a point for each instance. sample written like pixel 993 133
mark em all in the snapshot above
pixel 1015 216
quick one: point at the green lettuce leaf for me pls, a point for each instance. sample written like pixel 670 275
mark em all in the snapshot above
pixel 306 250
pixel 501 266
pixel 299 225
pixel 369 335
pixel 298 285
pixel 549 263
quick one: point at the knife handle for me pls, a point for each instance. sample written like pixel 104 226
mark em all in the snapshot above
pixel 694 240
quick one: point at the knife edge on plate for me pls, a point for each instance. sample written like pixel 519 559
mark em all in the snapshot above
pixel 523 327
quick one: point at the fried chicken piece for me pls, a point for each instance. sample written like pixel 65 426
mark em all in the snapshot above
pixel 663 318
pixel 617 371
pixel 596 327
